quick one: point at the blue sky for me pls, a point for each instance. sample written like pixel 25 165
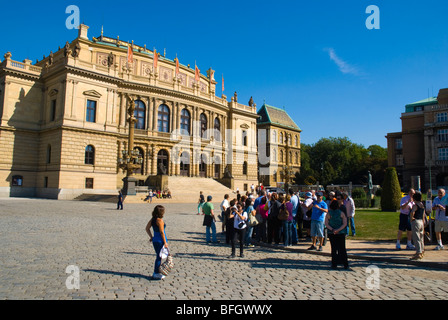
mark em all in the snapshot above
pixel 315 58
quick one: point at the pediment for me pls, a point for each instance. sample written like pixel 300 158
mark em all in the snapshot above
pixel 92 93
pixel 245 126
pixel 53 92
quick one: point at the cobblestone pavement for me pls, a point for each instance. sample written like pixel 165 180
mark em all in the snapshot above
pixel 41 238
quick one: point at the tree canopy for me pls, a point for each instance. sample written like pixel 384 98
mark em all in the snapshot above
pixel 340 161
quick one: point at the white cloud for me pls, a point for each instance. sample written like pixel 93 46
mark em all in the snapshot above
pixel 343 66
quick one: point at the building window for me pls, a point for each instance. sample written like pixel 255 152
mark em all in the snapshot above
pixel 217 133
pixel 443 153
pixel 296 141
pixel 91 111
pixel 442 117
pixel 53 110
pixel 90 155
pixel 245 168
pixel 17 181
pixel 203 125
pixel 442 135
pixel 274 136
pixel 244 140
pixel 164 119
pixel 49 154
pixel 140 115
pixel 281 138
pixel 185 119
pixel 399 160
pixel 398 144
pixel 46 182
pixel 89 183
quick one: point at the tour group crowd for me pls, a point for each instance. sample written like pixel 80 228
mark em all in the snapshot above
pixel 284 218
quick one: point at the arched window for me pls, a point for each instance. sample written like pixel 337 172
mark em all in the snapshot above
pixel 296 141
pixel 217 133
pixel 185 119
pixel 89 155
pixel 164 119
pixel 274 136
pixel 281 155
pixel 281 138
pixel 140 115
pixel 203 125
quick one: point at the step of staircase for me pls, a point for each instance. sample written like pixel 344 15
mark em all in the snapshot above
pixel 186 190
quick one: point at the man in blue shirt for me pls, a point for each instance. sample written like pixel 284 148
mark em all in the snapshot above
pixel 295 205
pixel 320 210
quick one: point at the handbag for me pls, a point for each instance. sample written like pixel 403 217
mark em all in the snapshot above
pixel 253 221
pixel 283 215
pixel 167 266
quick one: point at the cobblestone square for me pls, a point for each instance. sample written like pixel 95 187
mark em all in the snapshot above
pixel 41 238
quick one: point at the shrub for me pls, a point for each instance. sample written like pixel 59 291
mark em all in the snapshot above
pixel 391 191
pixel 359 193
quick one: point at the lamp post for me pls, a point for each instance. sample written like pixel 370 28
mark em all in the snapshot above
pixel 131 159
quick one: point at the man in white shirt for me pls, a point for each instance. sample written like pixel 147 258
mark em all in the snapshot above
pixel 350 206
pixel 441 222
pixel 224 205
pixel 405 224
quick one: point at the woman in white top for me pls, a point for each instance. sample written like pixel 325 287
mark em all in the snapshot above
pixel 239 227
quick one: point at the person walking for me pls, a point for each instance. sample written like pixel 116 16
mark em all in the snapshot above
pixel 441 219
pixel 120 201
pixel 336 223
pixel 159 239
pixel 404 225
pixel 209 221
pixel 239 227
pixel 317 222
pixel 201 202
pixel 417 215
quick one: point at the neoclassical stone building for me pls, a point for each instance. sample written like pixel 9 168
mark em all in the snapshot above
pixel 64 121
pixel 279 146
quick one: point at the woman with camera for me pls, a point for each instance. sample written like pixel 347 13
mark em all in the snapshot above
pixel 239 228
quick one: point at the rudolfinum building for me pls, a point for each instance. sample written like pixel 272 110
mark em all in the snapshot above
pixel 64 122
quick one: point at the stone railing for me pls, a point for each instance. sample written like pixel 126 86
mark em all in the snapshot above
pixel 24 66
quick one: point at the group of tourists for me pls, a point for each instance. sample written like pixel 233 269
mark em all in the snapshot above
pixel 413 218
pixel 282 219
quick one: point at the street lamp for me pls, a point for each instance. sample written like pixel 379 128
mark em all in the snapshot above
pixel 131 159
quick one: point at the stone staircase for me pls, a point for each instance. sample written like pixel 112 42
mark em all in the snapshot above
pixel 186 190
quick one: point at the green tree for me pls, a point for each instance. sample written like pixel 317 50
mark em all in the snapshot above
pixel 391 191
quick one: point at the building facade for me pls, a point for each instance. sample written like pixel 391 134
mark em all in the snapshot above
pixel 280 160
pixel 64 121
pixel 420 151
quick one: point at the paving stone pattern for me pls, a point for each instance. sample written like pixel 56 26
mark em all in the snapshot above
pixel 41 238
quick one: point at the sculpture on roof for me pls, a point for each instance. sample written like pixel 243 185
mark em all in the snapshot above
pixel 67 50
pixel 235 97
pixel 251 102
pixel 77 50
